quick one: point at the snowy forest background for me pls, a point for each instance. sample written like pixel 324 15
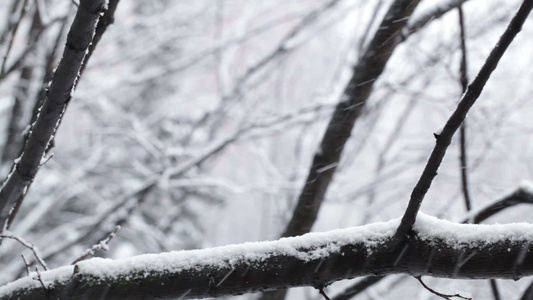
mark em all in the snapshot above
pixel 222 103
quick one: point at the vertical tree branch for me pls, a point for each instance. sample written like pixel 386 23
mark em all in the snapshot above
pixel 339 129
pixel 39 100
pixel 355 95
pixel 59 93
pixel 462 131
pixel 469 98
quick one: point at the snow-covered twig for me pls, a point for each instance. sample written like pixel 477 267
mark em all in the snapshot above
pixel 26 264
pixel 58 95
pixel 9 235
pixel 288 262
pixel 102 245
pixel 39 277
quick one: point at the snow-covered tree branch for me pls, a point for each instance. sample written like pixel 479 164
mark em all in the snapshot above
pixel 434 247
pixel 201 124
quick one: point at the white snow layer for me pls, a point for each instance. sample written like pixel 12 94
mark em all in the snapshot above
pixel 526 186
pixel 324 243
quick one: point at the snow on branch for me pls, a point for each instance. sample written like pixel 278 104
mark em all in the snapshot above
pixel 434 247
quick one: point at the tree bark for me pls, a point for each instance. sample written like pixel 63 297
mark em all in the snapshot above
pixel 520 196
pixel 59 93
pixel 318 265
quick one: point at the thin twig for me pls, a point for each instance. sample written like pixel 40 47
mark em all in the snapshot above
pixel 10 22
pixel 18 62
pixel 445 296
pixel 58 95
pixel 321 292
pixel 102 245
pixel 26 264
pixel 462 132
pixel 35 250
pixel 39 278
pixel 469 98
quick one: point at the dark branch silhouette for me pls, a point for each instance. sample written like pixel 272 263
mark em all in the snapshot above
pixel 200 278
pixel 444 138
pixel 462 131
pixel 58 96
pixel 520 196
pixel 339 129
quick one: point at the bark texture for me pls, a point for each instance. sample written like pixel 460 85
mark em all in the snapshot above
pixel 59 93
pixel 416 256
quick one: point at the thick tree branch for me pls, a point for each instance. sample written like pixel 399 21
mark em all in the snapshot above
pixel 445 137
pixel 433 248
pixel 59 93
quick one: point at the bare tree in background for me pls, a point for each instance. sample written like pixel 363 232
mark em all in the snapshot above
pixel 170 134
